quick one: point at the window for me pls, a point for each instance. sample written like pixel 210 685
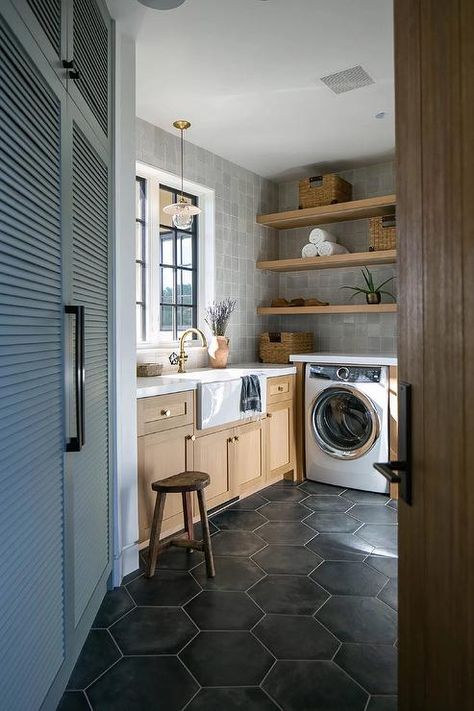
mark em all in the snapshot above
pixel 168 291
pixel 178 269
pixel 140 260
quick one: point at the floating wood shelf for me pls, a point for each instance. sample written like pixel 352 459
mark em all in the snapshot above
pixel 340 212
pixel 356 259
pixel 334 309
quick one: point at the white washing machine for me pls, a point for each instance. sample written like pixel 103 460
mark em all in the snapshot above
pixel 347 424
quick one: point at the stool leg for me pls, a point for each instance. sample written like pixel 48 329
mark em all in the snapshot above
pixel 206 535
pixel 188 514
pixel 155 534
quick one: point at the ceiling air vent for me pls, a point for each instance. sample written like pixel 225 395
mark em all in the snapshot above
pixel 347 80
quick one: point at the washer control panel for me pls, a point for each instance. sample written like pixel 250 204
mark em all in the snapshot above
pixel 346 373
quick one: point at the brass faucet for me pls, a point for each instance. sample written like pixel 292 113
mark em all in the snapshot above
pixel 182 358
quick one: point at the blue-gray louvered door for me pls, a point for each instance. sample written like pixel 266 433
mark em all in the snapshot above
pixel 89 288
pixel 32 647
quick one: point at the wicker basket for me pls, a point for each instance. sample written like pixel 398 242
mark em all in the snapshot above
pixel 382 233
pixel 277 347
pixel 323 190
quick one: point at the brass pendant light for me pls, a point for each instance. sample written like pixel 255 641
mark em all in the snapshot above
pixel 182 212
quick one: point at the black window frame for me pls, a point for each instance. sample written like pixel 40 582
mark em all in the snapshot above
pixel 141 219
pixel 193 233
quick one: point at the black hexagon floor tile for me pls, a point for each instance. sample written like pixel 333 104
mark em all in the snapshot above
pixel 332 522
pixel 282 511
pixel 382 703
pixel 365 497
pixel 373 513
pixel 296 637
pixel 285 493
pixel 328 503
pixel 389 593
pixel 98 654
pixel 290 532
pixel 359 619
pixel 387 565
pixel 198 529
pixel 249 503
pixel 340 546
pixel 373 666
pixel 165 588
pixel 238 543
pixel 314 487
pixel 175 558
pixel 381 537
pixel 288 594
pixel 287 560
pixel 227 659
pixel 349 578
pixel 232 573
pixel 314 685
pixel 73 701
pixel 232 699
pixel 238 520
pixel 142 683
pixel 114 605
pixel 153 630
pixel 218 610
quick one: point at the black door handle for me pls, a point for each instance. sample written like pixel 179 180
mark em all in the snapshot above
pixel 75 443
pixel 399 472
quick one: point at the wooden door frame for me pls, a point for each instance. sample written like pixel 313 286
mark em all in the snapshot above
pixel 434 65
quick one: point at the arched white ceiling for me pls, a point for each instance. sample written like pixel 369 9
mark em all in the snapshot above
pixel 247 74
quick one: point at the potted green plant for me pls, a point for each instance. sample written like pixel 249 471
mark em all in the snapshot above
pixel 373 294
pixel 217 318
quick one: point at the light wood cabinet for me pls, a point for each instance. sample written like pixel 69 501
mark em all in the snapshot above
pixel 160 455
pixel 280 439
pixel 212 454
pixel 248 457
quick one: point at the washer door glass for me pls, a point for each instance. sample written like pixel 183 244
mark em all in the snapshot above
pixel 345 422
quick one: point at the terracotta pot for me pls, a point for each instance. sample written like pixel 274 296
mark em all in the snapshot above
pixel 374 297
pixel 218 352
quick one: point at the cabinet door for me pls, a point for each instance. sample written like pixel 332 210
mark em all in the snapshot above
pixel 89 46
pixel 212 455
pixel 32 615
pixel 280 439
pixel 47 22
pixel 161 455
pixel 90 468
pixel 248 470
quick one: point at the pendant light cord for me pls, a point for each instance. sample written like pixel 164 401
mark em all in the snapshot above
pixel 182 165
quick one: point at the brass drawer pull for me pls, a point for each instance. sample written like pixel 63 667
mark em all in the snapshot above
pixel 192 438
pixel 269 414
pixel 166 413
pixel 280 388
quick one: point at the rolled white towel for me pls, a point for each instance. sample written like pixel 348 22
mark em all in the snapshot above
pixel 309 250
pixel 327 249
pixel 318 235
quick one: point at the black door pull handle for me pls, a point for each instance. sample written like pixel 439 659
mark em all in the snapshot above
pixel 399 472
pixel 76 442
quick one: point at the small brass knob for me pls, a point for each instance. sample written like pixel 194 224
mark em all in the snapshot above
pixel 166 413
pixel 230 440
pixel 236 439
pixel 280 388
pixel 269 414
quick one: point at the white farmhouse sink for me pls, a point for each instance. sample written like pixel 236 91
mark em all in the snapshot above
pixel 218 394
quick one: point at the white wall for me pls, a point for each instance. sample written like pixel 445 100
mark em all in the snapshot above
pixel 125 484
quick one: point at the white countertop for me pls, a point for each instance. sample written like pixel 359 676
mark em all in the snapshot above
pixel 346 358
pixel 178 382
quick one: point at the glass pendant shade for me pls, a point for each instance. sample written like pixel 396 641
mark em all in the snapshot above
pixel 182 214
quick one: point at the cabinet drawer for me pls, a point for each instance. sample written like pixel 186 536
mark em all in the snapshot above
pixel 279 389
pixel 164 412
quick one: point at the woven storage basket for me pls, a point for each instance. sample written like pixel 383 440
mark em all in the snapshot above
pixel 382 233
pixel 323 190
pixel 277 347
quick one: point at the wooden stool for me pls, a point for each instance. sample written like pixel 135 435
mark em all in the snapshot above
pixel 184 483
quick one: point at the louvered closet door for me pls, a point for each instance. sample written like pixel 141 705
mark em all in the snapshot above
pixel 47 22
pixel 90 284
pixel 91 51
pixel 31 382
